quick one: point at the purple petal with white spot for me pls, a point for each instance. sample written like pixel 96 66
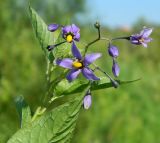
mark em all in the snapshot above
pixel 66 63
pixel 73 74
pixel 87 101
pixel 90 58
pixel 88 73
pixel 76 52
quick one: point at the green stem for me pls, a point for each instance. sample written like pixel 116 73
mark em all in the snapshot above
pixel 92 42
pixel 39 112
pixel 120 38
pixel 48 74
pixel 114 82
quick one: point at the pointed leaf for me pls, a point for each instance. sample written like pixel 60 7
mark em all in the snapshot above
pixel 64 87
pixel 41 31
pixel 56 126
pixel 23 110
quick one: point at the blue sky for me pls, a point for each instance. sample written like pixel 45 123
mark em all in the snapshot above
pixel 123 12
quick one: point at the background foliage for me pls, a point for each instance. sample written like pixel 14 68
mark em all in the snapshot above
pixel 129 114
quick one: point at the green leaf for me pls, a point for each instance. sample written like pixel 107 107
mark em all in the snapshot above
pixel 43 35
pixel 56 126
pixel 23 110
pixel 62 51
pixel 65 88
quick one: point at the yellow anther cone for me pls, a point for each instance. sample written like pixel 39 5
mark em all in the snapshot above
pixel 77 64
pixel 69 38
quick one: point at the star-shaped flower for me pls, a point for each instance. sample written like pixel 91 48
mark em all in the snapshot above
pixel 142 38
pixel 70 33
pixel 79 64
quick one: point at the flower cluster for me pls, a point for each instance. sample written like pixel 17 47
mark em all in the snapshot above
pixel 80 63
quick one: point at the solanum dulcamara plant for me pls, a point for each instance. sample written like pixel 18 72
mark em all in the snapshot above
pixel 71 70
pixel 80 63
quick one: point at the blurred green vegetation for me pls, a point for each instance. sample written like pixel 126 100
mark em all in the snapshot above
pixel 129 114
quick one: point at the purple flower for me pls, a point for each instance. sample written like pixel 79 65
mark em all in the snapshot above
pixel 79 64
pixel 142 38
pixel 115 69
pixel 113 51
pixel 70 33
pixel 87 101
pixel 53 27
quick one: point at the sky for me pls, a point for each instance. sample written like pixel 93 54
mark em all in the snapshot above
pixel 123 12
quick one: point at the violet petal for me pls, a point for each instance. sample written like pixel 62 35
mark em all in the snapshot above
pixel 90 58
pixel 76 52
pixel 73 74
pixel 147 40
pixel 75 29
pixel 66 29
pixel 77 37
pixel 66 63
pixel 144 44
pixel 146 32
pixel 88 73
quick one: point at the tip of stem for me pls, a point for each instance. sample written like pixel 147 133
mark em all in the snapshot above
pixel 49 48
pixel 97 25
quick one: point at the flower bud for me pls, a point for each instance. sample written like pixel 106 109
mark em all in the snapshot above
pixel 50 47
pixel 87 101
pixel 115 69
pixel 97 25
pixel 113 51
pixel 53 27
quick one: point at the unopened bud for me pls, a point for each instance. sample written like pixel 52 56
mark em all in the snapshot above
pixel 115 69
pixel 87 101
pixel 53 27
pixel 113 51
pixel 97 25
pixel 50 47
